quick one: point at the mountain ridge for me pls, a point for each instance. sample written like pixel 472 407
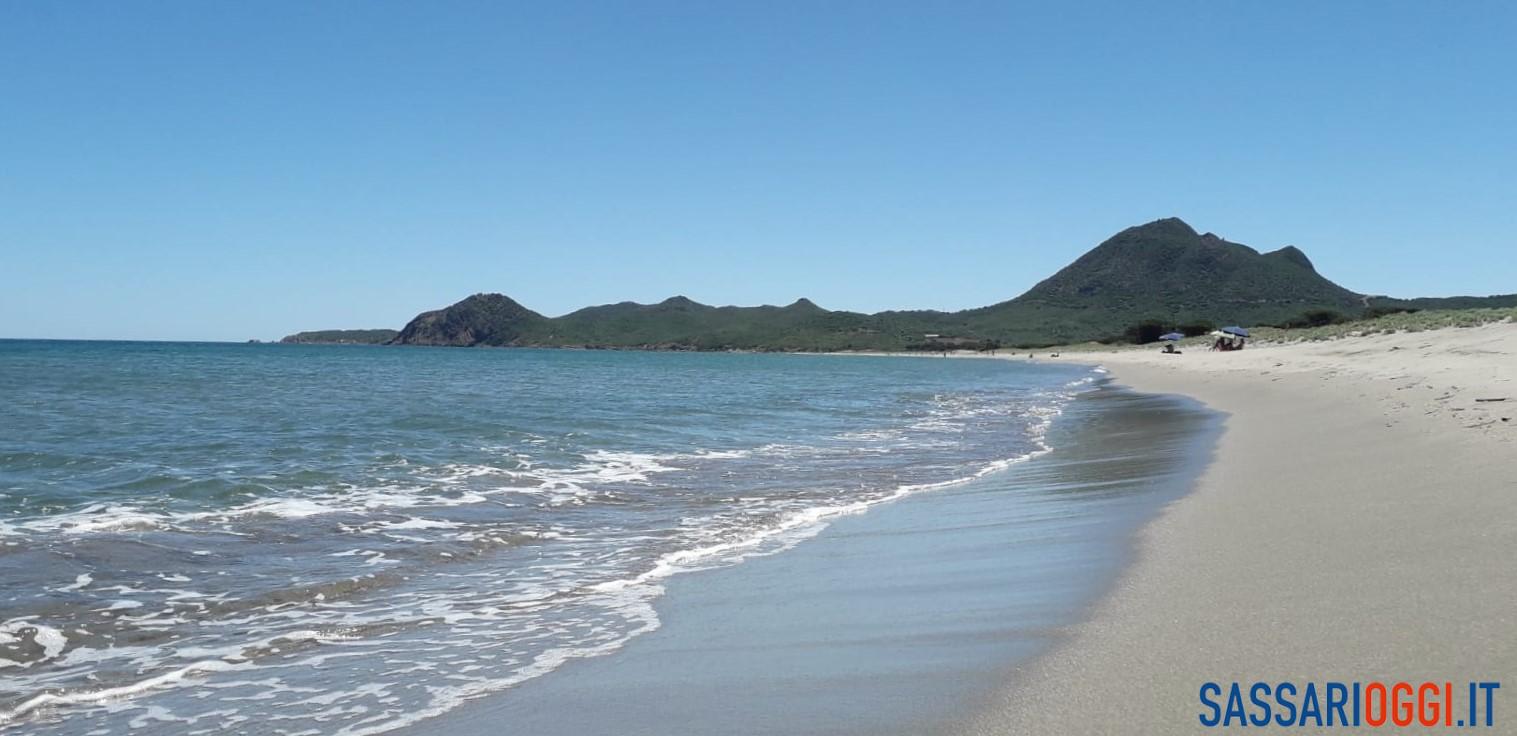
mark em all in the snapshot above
pixel 1162 270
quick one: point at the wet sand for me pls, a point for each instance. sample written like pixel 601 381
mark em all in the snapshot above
pixel 897 621
pixel 1359 523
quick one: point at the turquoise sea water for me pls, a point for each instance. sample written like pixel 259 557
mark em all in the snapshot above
pixel 310 539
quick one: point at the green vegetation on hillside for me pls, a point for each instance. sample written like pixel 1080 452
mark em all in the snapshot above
pixel 680 323
pixel 1420 321
pixel 482 319
pixel 1161 273
pixel 342 337
pixel 1446 303
pixel 1165 271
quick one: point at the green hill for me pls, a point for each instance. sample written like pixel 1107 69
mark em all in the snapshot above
pixel 1498 301
pixel 482 319
pixel 680 323
pixel 1163 271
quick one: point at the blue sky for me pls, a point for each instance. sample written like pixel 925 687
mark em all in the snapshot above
pixel 219 170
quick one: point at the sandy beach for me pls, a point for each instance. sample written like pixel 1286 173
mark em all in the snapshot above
pixel 1357 523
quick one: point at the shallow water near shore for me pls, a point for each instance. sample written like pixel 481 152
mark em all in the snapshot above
pixel 899 621
pixel 297 539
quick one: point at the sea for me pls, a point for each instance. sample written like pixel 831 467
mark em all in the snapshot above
pixel 303 539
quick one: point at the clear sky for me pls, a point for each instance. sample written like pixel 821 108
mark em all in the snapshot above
pixel 230 170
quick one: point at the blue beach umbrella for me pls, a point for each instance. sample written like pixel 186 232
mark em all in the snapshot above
pixel 1239 331
pixel 1173 336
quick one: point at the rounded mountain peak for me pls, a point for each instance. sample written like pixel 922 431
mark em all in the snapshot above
pixel 490 299
pixel 1294 255
pixel 1163 227
pixel 679 301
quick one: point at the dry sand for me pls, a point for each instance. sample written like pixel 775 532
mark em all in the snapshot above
pixel 1358 522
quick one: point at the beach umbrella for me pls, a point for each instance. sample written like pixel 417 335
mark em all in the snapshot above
pixel 1173 336
pixel 1239 331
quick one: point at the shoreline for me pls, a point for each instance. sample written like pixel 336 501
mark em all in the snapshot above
pixel 1356 523
pixel 897 621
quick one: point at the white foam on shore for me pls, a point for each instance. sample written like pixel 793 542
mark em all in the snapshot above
pixel 50 640
pixel 634 595
pixel 102 695
pixel 600 467
pixel 80 582
pixel 711 542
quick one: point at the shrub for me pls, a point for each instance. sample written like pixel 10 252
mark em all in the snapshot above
pixel 1315 318
pixel 1374 312
pixel 1146 331
pixel 1196 329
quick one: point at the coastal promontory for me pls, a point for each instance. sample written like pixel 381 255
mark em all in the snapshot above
pixel 341 337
